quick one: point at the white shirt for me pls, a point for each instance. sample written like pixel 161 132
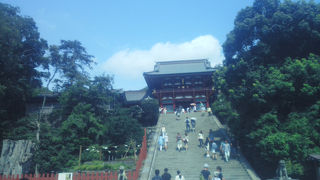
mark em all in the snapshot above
pixel 200 136
pixel 177 178
pixel 166 138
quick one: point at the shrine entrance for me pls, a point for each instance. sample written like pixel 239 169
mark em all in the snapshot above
pixel 184 103
pixel 180 83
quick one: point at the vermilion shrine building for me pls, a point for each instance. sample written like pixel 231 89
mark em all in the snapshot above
pixel 180 83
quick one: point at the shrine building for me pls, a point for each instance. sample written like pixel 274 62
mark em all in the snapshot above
pixel 181 83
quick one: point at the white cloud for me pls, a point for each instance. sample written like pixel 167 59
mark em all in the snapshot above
pixel 130 64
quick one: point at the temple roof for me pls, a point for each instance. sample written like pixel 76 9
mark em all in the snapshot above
pixel 135 96
pixel 315 156
pixel 181 67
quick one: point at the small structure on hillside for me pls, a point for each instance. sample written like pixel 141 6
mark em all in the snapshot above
pixel 316 159
pixel 34 104
pixel 135 97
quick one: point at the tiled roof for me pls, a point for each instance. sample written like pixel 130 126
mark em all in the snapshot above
pixel 135 95
pixel 181 67
pixel 315 156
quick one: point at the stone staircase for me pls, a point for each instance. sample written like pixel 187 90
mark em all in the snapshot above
pixel 191 162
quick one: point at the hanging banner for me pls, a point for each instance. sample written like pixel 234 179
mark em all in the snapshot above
pixel 65 176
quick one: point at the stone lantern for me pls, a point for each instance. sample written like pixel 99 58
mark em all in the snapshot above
pixel 281 172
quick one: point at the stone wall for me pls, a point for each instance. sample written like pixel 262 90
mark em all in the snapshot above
pixel 16 156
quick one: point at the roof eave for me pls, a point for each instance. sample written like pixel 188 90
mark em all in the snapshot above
pixel 203 72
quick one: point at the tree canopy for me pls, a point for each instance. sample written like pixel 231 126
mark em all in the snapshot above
pixel 90 112
pixel 270 31
pixel 21 52
pixel 69 60
pixel 270 84
pixel 85 119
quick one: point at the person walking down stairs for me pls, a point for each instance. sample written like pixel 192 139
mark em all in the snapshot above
pixel 187 121
pixel 214 147
pixel 205 173
pixel 179 142
pixel 218 174
pixel 179 176
pixel 186 141
pixel 226 150
pixel 161 142
pixel 122 174
pixel 157 175
pixel 200 138
pixel 166 175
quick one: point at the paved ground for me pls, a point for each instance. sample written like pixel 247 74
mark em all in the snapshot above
pixel 191 162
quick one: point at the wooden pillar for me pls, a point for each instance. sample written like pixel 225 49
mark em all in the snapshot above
pixel 173 100
pixel 193 96
pixel 207 97
pixel 160 101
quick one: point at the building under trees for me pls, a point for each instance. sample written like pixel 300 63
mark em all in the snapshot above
pixel 181 83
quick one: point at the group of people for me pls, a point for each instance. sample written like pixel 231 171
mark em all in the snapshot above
pixel 210 145
pixel 182 142
pixel 162 110
pixel 205 174
pixel 180 110
pixel 166 175
pixel 163 140
pixel 192 108
pixel 190 124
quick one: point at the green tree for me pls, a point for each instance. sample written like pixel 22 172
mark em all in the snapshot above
pixel 68 60
pixel 90 112
pixel 71 61
pixel 21 53
pixel 150 115
pixel 270 31
pixel 123 127
pixel 86 119
pixel 269 84
pixel 97 92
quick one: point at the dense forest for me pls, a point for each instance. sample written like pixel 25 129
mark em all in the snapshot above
pixel 91 113
pixel 270 87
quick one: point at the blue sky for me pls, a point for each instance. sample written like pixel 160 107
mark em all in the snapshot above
pixel 128 37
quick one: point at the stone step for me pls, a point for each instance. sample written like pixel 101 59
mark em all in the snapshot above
pixel 190 162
